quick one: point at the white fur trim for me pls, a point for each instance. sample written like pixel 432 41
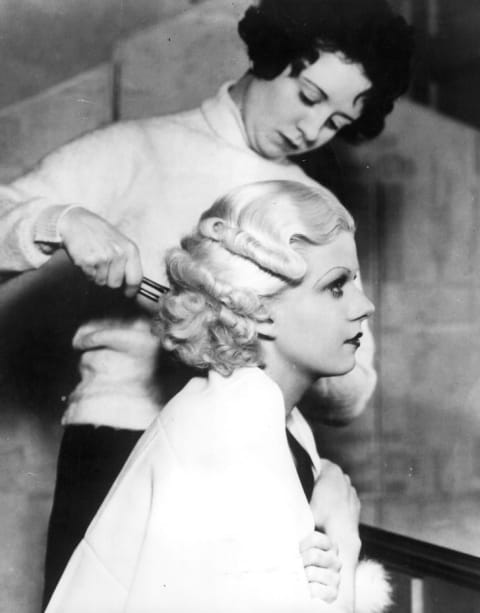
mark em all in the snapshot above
pixel 373 590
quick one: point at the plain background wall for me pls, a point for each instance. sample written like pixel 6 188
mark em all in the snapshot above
pixel 44 42
pixel 36 362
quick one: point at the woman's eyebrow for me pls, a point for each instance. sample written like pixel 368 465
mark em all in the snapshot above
pixel 360 96
pixel 324 96
pixel 314 90
pixel 346 271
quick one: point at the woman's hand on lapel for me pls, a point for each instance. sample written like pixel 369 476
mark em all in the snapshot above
pixel 336 507
pixel 322 566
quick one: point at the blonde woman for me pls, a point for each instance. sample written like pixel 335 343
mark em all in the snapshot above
pixel 208 514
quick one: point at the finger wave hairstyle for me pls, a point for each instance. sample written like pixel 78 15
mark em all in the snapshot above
pixel 246 249
pixel 279 33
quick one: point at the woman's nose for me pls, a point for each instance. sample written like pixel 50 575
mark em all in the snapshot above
pixel 364 307
pixel 312 123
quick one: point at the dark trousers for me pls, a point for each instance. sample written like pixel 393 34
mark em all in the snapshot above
pixel 89 461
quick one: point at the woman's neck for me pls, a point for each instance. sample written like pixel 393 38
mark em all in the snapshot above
pixel 291 382
pixel 238 92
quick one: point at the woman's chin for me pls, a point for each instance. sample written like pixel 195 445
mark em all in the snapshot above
pixel 346 367
pixel 338 370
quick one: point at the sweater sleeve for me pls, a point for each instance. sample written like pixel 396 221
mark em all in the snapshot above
pixel 89 171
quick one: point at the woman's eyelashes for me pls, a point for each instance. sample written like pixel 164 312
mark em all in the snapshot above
pixel 336 286
pixel 308 100
pixel 330 123
pixel 338 123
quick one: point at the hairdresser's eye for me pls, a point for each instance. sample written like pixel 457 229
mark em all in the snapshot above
pixel 306 99
pixel 337 123
pixel 332 125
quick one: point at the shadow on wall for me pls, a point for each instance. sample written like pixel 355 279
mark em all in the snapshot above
pixel 37 368
pixel 39 313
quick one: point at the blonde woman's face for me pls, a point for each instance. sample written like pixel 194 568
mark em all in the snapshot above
pixel 317 325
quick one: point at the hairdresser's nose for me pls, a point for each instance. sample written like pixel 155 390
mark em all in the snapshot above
pixel 313 125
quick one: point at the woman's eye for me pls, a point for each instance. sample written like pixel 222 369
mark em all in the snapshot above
pixel 331 125
pixel 336 289
pixel 306 100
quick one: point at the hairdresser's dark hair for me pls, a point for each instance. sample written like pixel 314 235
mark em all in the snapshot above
pixel 279 33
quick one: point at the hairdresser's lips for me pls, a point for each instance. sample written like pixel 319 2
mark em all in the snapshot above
pixel 355 340
pixel 292 146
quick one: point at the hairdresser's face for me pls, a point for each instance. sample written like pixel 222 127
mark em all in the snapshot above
pixel 292 115
pixel 317 325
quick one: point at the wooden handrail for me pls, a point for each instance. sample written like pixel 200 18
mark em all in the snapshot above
pixel 420 559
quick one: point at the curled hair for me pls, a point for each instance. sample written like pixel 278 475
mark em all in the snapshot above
pixel 245 249
pixel 279 33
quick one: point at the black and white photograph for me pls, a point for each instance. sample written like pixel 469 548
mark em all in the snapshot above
pixel 240 306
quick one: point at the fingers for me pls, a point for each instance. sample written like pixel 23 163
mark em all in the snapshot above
pixel 133 271
pixel 317 550
pixel 97 273
pixel 322 568
pixel 104 254
pixel 327 593
pixel 316 539
pixel 119 266
pixel 115 272
pixel 322 559
pixel 323 576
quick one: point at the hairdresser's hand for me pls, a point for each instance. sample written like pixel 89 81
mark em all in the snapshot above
pixel 322 566
pixel 105 255
pixel 336 507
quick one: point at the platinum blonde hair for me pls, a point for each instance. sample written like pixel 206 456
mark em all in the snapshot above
pixel 245 249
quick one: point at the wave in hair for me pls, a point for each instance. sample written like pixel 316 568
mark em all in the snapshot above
pixel 285 263
pixel 206 322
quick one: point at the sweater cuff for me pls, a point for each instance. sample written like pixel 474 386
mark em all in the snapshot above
pixel 45 231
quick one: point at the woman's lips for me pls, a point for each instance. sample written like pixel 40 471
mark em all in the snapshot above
pixel 355 340
pixel 292 145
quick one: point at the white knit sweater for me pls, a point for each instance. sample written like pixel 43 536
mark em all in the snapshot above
pixel 151 179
